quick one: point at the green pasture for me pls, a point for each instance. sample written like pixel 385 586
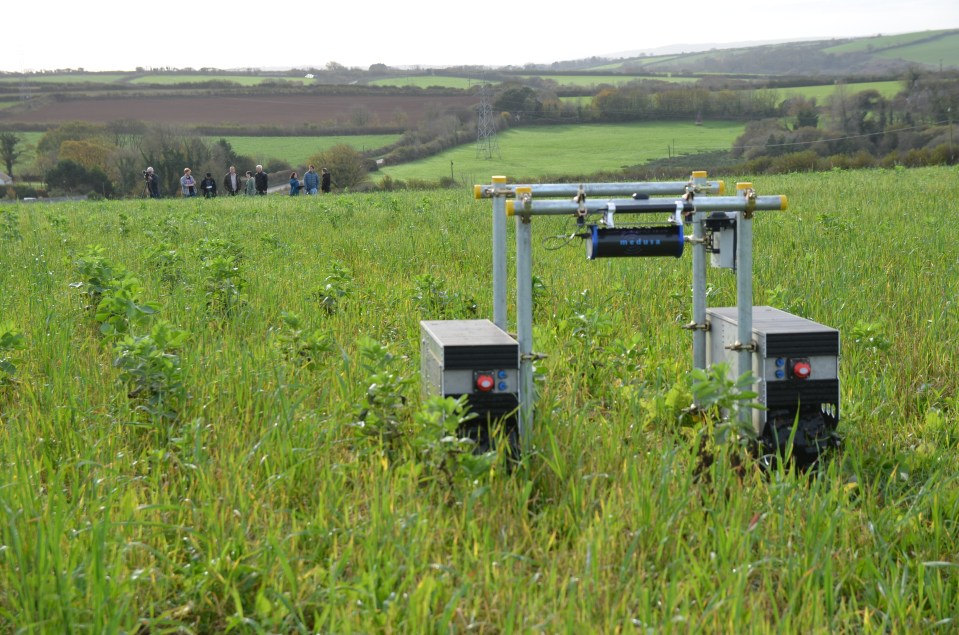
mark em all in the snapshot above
pixel 426 81
pixel 298 150
pixel 243 80
pixel 67 78
pixel 822 93
pixel 635 61
pixel 571 150
pixel 592 81
pixel 880 42
pixel 213 423
pixel 943 50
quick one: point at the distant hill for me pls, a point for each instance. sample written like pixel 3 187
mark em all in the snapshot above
pixel 878 55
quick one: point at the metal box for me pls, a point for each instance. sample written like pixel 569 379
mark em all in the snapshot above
pixel 478 359
pixel 796 362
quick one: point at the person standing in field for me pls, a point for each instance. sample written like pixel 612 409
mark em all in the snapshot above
pixel 231 182
pixel 153 183
pixel 208 185
pixel 325 181
pixel 311 181
pixel 294 185
pixel 250 184
pixel 188 183
pixel 261 181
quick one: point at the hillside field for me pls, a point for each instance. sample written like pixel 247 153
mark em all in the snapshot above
pixel 235 440
pixel 571 150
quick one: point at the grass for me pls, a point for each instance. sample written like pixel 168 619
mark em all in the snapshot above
pixel 575 149
pixel 881 42
pixel 260 508
pixel 940 51
pixel 298 150
pixel 243 80
pixel 69 78
pixel 426 81
pixel 822 93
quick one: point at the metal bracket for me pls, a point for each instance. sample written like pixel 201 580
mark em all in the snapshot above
pixel 532 357
pixel 608 215
pixel 739 346
pixel 750 195
pixel 693 326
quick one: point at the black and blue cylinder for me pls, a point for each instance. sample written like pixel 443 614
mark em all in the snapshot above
pixel 634 242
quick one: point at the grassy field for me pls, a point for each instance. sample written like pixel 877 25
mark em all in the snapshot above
pixel 243 80
pixel 583 149
pixel 823 93
pixel 935 52
pixel 425 81
pixel 69 78
pixel 880 42
pixel 246 469
pixel 298 150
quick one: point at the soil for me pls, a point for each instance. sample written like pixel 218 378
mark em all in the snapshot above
pixel 278 110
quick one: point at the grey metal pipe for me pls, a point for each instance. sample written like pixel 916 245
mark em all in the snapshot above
pixel 664 188
pixel 524 328
pixel 534 207
pixel 499 253
pixel 744 293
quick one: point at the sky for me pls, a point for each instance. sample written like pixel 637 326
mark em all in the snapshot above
pixel 105 35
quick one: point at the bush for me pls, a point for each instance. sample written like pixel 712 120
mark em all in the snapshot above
pixel 23 191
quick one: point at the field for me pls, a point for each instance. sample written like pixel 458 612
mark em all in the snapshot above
pixel 277 110
pixel 881 42
pixel 538 151
pixel 243 80
pixel 255 456
pixel 298 150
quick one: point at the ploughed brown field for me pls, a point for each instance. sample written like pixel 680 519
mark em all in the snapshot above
pixel 384 110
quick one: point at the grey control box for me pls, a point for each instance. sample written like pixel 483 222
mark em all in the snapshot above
pixel 796 361
pixel 478 359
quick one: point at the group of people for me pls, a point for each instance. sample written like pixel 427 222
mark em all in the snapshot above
pixel 312 182
pixel 254 184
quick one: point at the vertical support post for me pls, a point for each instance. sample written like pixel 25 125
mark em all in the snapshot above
pixel 524 327
pixel 499 252
pixel 744 288
pixel 699 282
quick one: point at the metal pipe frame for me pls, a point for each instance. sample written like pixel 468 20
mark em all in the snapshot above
pixel 744 203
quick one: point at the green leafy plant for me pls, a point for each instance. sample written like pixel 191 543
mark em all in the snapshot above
pixel 11 341
pixel 150 368
pixel 10 225
pixel 223 285
pixel 433 300
pixel 98 274
pixel 121 309
pixel 384 416
pixel 338 287
pixel 167 261
pixel 438 445
pixel 301 344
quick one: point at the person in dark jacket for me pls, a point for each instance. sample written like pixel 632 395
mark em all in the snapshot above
pixel 311 181
pixel 232 183
pixel 153 183
pixel 294 185
pixel 325 181
pixel 261 181
pixel 208 186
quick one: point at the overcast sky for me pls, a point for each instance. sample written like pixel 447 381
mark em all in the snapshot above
pixel 121 35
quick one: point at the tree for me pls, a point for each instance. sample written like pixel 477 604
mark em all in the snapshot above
pixel 9 151
pixel 346 164
pixel 70 177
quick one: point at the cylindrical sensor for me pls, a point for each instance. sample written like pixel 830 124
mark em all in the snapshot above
pixel 634 242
